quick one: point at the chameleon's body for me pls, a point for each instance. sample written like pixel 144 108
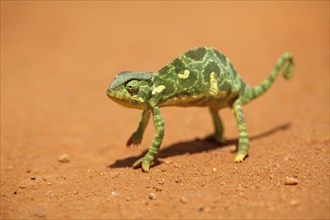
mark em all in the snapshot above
pixel 200 77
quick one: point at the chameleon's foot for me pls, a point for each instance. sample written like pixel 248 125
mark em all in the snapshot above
pixel 216 138
pixel 134 140
pixel 240 157
pixel 144 163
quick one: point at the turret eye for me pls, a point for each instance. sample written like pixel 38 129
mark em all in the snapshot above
pixel 132 87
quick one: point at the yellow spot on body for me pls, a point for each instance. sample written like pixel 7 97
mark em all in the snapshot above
pixel 184 74
pixel 158 89
pixel 141 99
pixel 213 84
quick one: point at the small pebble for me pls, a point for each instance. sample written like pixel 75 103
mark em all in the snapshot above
pixel 40 215
pixel 33 178
pixel 233 148
pixel 178 180
pixel 49 193
pixel 161 181
pixel 128 199
pixel 200 208
pixel 214 169
pixel 294 202
pixel 183 200
pixel 64 158
pixel 158 189
pixel 291 181
pixel 152 196
pixel 113 175
pixel 113 193
pixel 177 165
pixel 240 188
pixel 22 186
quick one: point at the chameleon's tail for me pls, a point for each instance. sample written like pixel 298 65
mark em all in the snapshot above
pixel 286 61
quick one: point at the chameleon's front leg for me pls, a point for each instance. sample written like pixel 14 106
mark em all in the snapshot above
pixel 243 142
pixel 137 136
pixel 147 160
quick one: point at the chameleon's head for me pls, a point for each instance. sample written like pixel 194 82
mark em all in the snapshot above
pixel 131 89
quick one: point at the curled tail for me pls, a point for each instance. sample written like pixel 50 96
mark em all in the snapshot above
pixel 286 62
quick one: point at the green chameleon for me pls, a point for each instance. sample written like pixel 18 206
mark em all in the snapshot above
pixel 202 77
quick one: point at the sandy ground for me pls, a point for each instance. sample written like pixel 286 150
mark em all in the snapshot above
pixel 57 59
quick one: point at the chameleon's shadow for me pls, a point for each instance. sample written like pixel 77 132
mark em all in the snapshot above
pixel 192 147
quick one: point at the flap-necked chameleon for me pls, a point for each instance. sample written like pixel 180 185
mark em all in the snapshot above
pixel 203 77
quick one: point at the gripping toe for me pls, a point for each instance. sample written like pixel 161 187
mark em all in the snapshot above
pixel 240 157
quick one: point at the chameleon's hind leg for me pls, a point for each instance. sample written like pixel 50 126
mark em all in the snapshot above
pixel 136 137
pixel 243 142
pixel 147 160
pixel 218 127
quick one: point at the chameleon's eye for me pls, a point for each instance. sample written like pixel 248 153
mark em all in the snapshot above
pixel 132 87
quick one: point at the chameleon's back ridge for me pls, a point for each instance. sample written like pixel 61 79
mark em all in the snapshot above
pixel 203 77
pixel 200 77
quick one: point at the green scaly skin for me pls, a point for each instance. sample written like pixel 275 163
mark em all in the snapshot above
pixel 200 77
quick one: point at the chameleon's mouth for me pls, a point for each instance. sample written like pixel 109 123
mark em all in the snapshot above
pixel 113 96
pixel 129 103
pixel 109 93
